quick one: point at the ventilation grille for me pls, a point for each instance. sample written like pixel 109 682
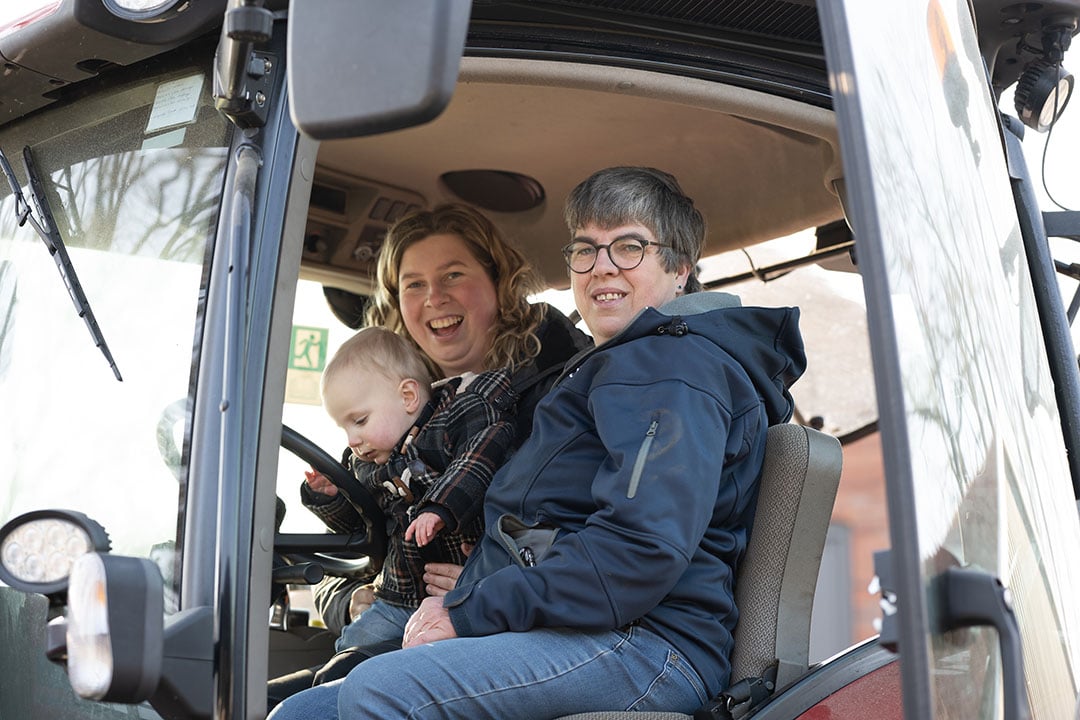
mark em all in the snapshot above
pixel 348 218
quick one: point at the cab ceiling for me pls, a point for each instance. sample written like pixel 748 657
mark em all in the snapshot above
pixel 758 166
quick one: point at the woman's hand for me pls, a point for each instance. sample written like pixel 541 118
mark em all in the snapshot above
pixel 441 578
pixel 429 623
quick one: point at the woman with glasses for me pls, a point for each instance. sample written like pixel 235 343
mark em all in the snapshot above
pixel 604 578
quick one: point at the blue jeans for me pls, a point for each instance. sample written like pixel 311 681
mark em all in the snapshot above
pixel 379 629
pixel 543 673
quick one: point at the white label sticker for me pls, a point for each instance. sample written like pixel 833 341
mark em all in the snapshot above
pixel 165 140
pixel 175 103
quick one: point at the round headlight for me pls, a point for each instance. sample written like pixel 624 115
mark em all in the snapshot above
pixel 146 10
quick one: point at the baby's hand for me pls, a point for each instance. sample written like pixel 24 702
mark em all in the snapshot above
pixel 425 527
pixel 320 483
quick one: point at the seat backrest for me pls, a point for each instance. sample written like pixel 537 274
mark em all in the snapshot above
pixel 775 583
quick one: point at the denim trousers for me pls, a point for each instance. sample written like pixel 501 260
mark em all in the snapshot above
pixel 379 629
pixel 539 674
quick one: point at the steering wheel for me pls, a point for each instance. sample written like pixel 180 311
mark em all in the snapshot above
pixel 305 548
pixel 371 544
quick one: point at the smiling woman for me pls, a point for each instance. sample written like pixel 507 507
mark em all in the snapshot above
pixel 447 303
pixel 450 283
pixel 609 293
pixel 448 279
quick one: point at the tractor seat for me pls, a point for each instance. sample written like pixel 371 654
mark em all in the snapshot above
pixel 775 584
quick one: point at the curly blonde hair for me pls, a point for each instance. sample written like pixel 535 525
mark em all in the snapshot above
pixel 513 336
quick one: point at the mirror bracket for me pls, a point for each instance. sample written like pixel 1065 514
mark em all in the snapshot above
pixel 242 75
pixel 889 630
pixel 186 688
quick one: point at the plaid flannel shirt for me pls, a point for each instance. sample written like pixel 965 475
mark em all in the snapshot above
pixel 451 461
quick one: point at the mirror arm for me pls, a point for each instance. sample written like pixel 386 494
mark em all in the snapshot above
pixel 242 76
pixel 773 272
pixel 1065 224
pixel 1062 223
pixel 1074 306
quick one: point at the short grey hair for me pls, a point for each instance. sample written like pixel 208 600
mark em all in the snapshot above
pixel 647 196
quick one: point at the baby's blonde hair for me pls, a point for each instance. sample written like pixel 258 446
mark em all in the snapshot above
pixel 386 352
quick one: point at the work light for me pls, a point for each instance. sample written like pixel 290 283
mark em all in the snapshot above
pixel 1042 93
pixel 146 10
pixel 37 549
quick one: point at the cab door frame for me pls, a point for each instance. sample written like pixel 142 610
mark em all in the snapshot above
pixel 929 544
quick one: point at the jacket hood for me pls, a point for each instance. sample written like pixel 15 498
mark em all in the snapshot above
pixel 766 342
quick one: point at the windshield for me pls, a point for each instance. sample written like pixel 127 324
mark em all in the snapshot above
pixel 133 177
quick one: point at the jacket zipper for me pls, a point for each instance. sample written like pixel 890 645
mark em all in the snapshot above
pixel 639 462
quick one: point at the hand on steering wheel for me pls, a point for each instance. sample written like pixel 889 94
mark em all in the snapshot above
pixel 320 483
pixel 340 478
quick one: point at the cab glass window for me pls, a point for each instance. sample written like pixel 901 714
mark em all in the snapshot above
pixel 132 174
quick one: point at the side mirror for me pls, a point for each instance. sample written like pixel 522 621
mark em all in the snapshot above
pixel 121 648
pixel 361 67
pixel 115 628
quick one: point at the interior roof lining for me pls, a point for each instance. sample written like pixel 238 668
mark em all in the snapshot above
pixel 582 117
pixel 753 105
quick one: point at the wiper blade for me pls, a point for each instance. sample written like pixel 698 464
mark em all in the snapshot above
pixel 50 235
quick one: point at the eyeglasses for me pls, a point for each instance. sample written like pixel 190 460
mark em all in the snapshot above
pixel 625 253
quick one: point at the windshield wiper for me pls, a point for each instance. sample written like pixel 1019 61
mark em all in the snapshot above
pixel 50 235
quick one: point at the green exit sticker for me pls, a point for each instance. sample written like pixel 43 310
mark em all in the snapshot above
pixel 308 348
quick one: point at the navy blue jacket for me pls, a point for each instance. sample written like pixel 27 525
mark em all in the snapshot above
pixel 632 499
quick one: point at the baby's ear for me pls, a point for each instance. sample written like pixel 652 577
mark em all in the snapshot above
pixel 410 395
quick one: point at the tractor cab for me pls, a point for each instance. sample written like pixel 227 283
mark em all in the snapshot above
pixel 194 198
